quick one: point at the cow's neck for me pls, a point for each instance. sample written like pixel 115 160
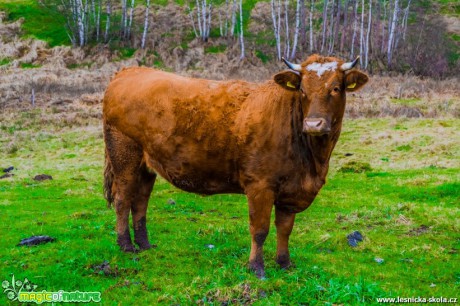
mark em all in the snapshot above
pixel 314 151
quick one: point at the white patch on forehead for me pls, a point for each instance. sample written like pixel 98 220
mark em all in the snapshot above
pixel 322 68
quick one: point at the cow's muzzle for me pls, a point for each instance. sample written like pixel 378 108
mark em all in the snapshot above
pixel 316 126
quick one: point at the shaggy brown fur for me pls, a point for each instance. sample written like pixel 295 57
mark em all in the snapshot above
pixel 270 141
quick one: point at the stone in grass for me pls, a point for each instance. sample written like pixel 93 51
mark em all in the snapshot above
pixel 354 238
pixel 379 260
pixel 42 177
pixel 209 246
pixel 6 170
pixel 171 202
pixel 35 240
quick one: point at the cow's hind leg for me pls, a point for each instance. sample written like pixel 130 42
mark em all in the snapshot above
pixel 139 207
pixel 128 186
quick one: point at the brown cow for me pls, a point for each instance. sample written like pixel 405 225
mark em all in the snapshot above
pixel 270 141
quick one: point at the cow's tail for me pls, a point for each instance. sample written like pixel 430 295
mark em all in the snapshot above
pixel 108 181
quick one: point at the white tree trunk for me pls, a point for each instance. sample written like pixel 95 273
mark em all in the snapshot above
pixel 146 24
pixel 392 32
pixel 406 16
pixel 81 24
pixel 98 20
pixel 276 30
pixel 361 34
pixel 241 30
pixel 369 25
pixel 204 14
pixel 198 17
pixel 227 9
pixel 232 29
pixel 312 6
pixel 107 23
pixel 130 21
pixel 287 45
pixel 296 31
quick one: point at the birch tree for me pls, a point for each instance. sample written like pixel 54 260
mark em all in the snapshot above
pixel 241 30
pixel 81 23
pixel 287 45
pixel 98 20
pixel 276 28
pixel 312 6
pixel 107 21
pixel 296 30
pixel 232 27
pixel 369 24
pixel 203 19
pixel 130 20
pixel 146 24
pixel 392 32
pixel 361 34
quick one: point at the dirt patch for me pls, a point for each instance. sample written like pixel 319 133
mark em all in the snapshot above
pixel 242 294
pixel 422 229
pixel 7 175
pixel 355 167
pixel 42 177
pixel 105 269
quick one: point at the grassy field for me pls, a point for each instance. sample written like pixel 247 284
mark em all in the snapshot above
pixel 405 202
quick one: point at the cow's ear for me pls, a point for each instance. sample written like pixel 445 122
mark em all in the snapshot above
pixel 355 80
pixel 288 79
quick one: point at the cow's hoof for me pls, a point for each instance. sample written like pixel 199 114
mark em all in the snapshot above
pixel 285 265
pixel 143 245
pixel 258 269
pixel 284 262
pixel 128 248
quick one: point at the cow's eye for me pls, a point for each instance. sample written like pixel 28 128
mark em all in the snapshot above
pixel 336 89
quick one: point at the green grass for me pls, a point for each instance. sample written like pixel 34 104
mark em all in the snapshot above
pixel 262 56
pixel 215 49
pixel 406 208
pixel 38 21
pixel 5 61
pixel 29 65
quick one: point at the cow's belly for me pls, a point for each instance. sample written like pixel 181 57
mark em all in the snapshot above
pixel 197 176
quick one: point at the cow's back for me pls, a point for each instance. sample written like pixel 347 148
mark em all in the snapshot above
pixel 185 126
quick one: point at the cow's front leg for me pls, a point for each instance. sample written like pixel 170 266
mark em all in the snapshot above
pixel 260 208
pixel 284 222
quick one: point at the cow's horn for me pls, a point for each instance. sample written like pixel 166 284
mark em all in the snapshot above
pixel 292 66
pixel 349 65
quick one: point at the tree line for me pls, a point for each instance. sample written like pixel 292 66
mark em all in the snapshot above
pixel 377 30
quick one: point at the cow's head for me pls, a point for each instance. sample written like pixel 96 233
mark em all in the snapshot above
pixel 322 83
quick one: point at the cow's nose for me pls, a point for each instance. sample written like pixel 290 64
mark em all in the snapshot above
pixel 316 126
pixel 314 123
